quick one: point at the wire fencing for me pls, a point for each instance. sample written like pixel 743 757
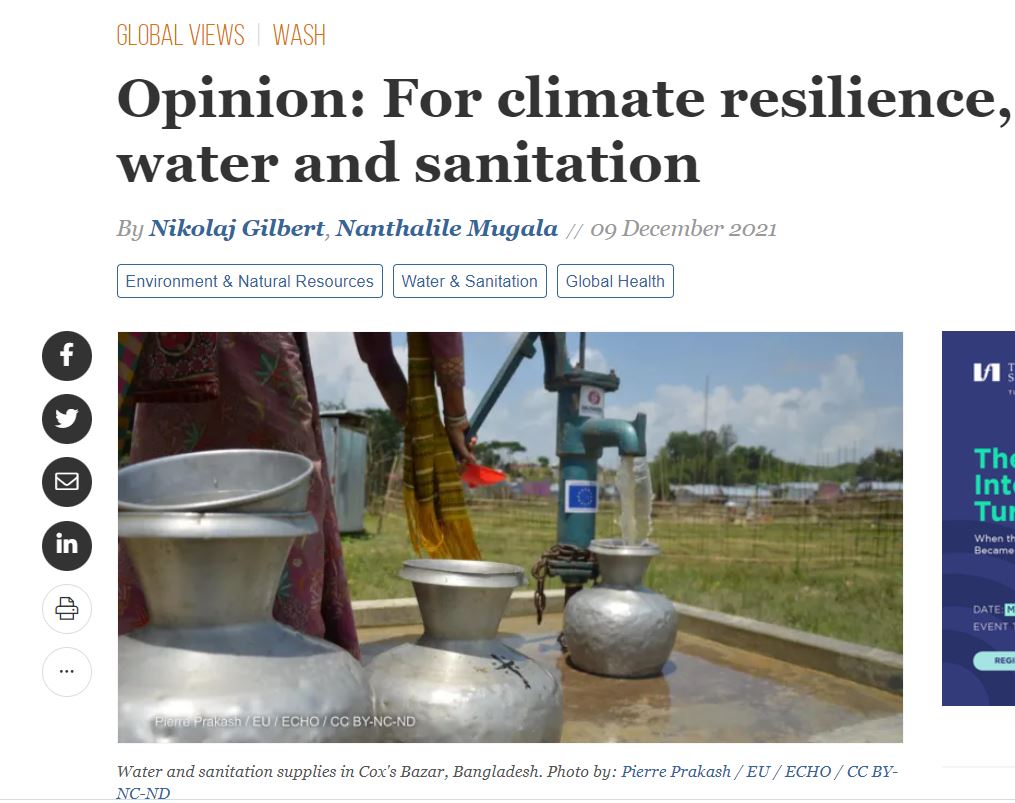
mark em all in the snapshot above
pixel 847 530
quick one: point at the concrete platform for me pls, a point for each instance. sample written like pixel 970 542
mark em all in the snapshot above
pixel 709 692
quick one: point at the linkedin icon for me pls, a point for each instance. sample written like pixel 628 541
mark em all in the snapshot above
pixel 66 546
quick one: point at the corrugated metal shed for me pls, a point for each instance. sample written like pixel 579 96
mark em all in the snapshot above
pixel 345 449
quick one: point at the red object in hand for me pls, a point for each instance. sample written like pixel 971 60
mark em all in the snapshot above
pixel 475 475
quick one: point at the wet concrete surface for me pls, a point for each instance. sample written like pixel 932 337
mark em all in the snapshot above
pixel 708 693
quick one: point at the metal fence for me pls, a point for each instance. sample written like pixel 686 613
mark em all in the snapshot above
pixel 853 530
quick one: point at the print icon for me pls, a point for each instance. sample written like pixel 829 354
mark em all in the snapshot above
pixel 66 482
pixel 66 546
pixel 66 609
pixel 66 356
pixel 66 418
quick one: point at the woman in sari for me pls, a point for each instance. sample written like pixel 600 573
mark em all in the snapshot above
pixel 446 354
pixel 437 518
pixel 194 391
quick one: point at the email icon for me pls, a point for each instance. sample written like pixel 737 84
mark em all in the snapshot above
pixel 67 481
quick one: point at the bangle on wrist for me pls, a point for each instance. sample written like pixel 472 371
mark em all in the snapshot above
pixel 456 421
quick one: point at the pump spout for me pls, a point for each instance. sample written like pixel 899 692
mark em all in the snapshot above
pixel 603 433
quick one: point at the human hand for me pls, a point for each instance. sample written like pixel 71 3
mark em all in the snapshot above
pixel 463 450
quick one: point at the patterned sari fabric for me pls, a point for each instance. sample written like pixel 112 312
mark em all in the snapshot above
pixel 129 354
pixel 434 501
pixel 263 398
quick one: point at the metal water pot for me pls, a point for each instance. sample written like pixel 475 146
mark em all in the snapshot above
pixel 212 665
pixel 458 682
pixel 620 628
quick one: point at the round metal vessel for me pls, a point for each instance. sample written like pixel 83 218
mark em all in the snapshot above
pixel 458 682
pixel 240 480
pixel 212 665
pixel 619 628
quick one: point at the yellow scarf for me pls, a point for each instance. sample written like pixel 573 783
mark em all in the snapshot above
pixel 434 501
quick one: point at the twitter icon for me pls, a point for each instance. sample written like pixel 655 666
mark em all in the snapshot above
pixel 66 418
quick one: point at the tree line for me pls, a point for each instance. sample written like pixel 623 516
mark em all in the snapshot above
pixel 715 457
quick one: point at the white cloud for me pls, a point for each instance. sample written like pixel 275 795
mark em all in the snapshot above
pixel 595 360
pixel 799 423
pixel 340 374
pixel 532 422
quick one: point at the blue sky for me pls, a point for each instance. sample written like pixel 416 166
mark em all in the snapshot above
pixel 813 397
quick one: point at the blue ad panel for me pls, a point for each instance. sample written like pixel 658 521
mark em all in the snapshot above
pixel 978 534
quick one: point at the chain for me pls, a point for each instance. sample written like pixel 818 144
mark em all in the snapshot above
pixel 541 570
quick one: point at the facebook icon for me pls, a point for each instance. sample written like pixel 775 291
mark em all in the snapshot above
pixel 67 356
pixel 581 496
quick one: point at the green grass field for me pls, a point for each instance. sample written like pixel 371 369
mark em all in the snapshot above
pixel 836 571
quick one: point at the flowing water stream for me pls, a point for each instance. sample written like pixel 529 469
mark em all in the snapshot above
pixel 634 483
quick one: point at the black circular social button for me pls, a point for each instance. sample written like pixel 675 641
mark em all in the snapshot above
pixel 66 356
pixel 66 418
pixel 66 481
pixel 66 546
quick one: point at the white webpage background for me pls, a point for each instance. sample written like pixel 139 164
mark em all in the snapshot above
pixel 883 225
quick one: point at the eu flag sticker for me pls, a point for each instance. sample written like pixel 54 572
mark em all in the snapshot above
pixel 581 496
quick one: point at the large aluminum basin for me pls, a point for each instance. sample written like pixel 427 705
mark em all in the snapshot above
pixel 242 480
